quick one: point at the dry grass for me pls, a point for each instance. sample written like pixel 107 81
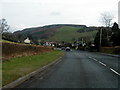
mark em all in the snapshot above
pixel 111 50
pixel 11 50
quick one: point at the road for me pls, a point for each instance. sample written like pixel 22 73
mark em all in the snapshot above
pixel 79 69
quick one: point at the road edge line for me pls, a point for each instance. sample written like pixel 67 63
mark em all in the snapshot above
pixel 115 71
pixel 102 63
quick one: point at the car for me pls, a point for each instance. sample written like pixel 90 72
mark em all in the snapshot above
pixel 67 49
pixel 63 48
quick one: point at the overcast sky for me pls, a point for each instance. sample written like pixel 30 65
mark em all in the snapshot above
pixel 22 14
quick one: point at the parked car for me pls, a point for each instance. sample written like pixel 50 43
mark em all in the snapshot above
pixel 67 49
pixel 63 48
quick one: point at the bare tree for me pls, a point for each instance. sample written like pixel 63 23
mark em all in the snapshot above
pixel 107 18
pixel 3 25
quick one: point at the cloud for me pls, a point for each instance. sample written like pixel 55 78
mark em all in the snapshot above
pixel 27 13
pixel 21 1
pixel 55 13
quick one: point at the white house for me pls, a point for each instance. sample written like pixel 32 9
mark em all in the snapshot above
pixel 27 41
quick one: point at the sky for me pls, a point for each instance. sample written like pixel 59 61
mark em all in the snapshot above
pixel 22 14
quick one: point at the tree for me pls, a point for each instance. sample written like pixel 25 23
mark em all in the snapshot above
pixel 115 35
pixel 3 25
pixel 32 39
pixel 8 36
pixel 115 27
pixel 106 19
pixel 104 40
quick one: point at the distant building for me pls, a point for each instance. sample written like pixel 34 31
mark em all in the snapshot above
pixel 27 41
pixel 119 14
pixel 51 44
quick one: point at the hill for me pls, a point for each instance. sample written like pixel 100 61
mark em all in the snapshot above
pixel 58 32
pixel 69 33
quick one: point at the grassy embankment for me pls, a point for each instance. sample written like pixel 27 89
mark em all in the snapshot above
pixel 11 50
pixel 21 66
pixel 21 59
pixel 67 33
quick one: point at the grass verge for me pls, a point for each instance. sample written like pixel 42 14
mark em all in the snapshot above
pixel 6 41
pixel 20 66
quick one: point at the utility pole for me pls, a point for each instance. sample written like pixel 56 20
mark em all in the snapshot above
pixel 100 38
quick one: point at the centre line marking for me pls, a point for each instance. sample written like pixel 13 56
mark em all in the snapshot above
pixel 102 63
pixel 90 57
pixel 94 59
pixel 115 71
pixel 105 65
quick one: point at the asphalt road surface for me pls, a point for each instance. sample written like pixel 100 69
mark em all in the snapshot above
pixel 79 69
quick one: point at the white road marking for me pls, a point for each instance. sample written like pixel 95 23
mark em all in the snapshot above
pixel 102 63
pixel 115 71
pixel 95 59
pixel 58 61
pixel 90 57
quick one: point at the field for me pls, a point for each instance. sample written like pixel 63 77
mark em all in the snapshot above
pixel 67 33
pixel 20 66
